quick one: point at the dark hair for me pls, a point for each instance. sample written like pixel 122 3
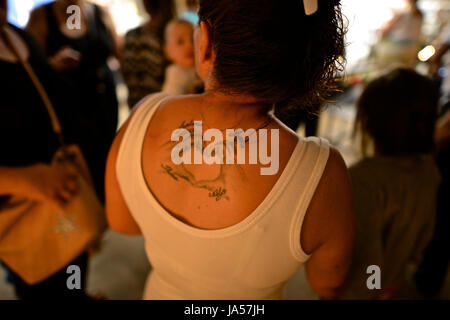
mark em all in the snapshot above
pixel 398 112
pixel 273 51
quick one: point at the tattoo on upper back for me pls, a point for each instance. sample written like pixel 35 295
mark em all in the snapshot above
pixel 216 186
pixel 215 191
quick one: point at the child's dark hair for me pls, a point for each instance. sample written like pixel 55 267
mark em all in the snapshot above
pixel 273 51
pixel 398 112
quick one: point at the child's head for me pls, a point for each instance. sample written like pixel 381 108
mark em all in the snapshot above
pixel 398 112
pixel 179 43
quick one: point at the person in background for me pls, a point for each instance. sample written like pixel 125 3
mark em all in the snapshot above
pixel 143 62
pixel 28 143
pixel 437 63
pixel 80 56
pixel 400 38
pixel 216 231
pixel 442 49
pixel 430 276
pixel 181 77
pixel 395 189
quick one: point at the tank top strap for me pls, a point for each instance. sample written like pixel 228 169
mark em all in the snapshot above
pixel 310 171
pixel 128 170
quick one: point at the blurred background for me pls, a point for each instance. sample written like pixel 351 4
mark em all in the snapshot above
pixel 366 19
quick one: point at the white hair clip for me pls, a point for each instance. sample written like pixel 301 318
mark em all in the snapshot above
pixel 311 6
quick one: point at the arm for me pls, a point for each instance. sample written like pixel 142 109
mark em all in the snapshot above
pixel 442 132
pixel 329 230
pixel 117 212
pixel 436 61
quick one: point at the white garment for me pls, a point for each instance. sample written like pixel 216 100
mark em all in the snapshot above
pixel 250 260
pixel 179 80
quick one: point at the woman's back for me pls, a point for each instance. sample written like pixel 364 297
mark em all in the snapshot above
pixel 203 180
pixel 236 230
pixel 257 223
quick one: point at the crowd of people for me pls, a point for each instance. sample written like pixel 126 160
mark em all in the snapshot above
pixel 222 231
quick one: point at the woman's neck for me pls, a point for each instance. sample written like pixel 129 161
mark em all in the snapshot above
pixel 231 110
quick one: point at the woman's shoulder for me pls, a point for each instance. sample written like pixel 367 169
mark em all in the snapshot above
pixel 331 207
pixel 336 169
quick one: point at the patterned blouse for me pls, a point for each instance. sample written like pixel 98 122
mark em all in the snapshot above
pixel 143 63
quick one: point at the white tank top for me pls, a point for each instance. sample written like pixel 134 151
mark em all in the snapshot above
pixel 249 260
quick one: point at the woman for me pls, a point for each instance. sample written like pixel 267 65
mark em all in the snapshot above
pixel 143 61
pixel 226 231
pixel 28 143
pixel 80 55
pixel 400 37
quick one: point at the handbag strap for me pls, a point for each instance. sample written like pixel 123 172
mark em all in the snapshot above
pixel 56 125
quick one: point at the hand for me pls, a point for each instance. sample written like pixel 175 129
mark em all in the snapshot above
pixel 435 64
pixel 65 59
pixel 442 131
pixel 43 183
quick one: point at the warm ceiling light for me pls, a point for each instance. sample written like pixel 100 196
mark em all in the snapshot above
pixel 426 53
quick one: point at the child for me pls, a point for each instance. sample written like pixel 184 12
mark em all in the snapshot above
pixel 395 190
pixel 181 77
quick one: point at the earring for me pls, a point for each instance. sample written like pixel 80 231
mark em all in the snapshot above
pixel 311 6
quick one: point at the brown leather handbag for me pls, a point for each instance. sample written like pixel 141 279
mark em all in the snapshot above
pixel 38 239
